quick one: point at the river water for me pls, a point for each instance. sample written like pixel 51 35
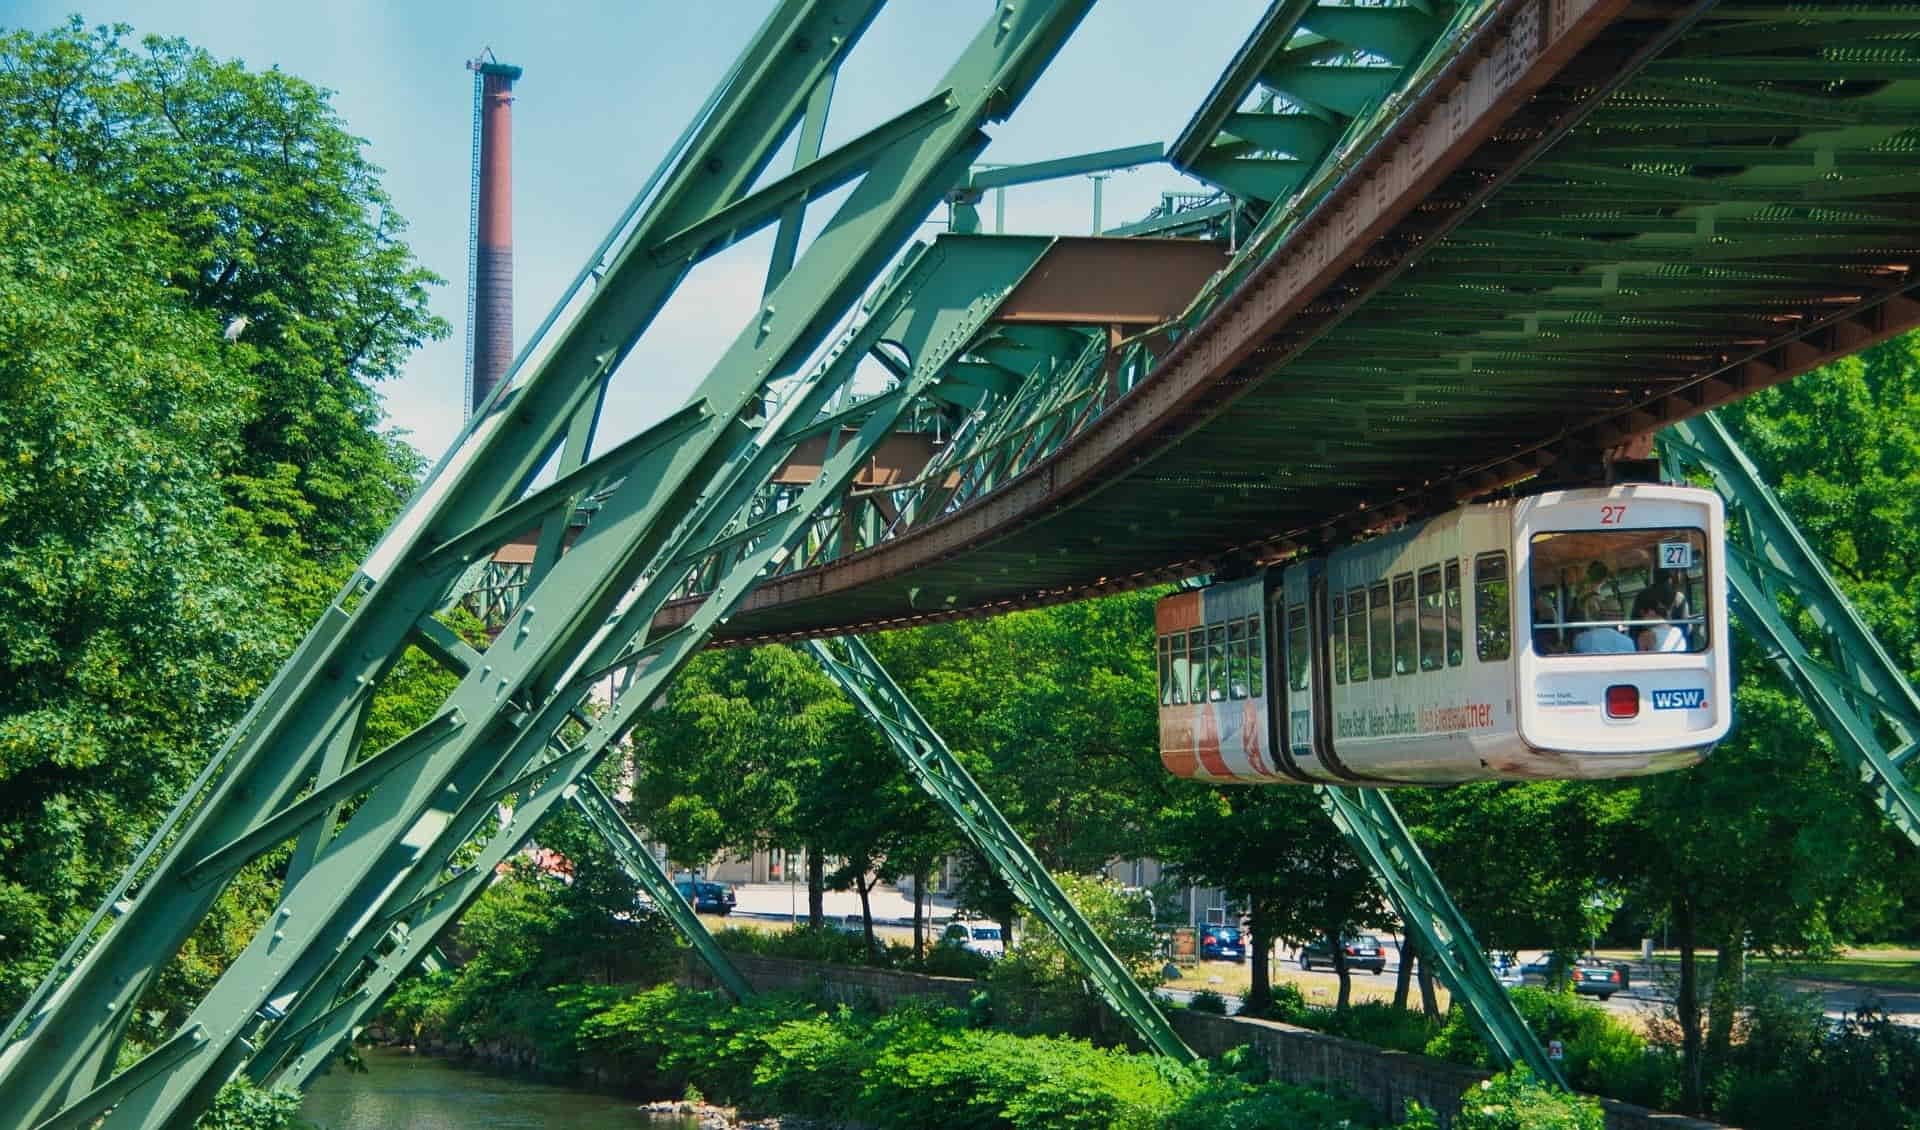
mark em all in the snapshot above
pixel 399 1091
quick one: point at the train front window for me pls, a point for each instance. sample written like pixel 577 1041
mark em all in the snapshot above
pixel 1599 592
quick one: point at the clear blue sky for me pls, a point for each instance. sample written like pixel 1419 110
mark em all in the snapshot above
pixel 608 85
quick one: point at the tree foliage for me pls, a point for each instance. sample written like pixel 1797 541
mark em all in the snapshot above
pixel 179 489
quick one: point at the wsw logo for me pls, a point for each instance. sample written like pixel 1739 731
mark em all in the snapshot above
pixel 1693 699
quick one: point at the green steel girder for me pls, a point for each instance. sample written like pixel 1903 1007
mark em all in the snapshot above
pixel 640 866
pixel 944 300
pixel 1309 73
pixel 934 768
pixel 377 892
pixel 1847 678
pixel 1369 823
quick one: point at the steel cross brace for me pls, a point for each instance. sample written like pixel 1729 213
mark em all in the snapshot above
pixel 1856 690
pixel 645 870
pixel 1366 818
pixel 373 896
pixel 934 768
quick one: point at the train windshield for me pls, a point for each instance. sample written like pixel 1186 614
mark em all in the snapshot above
pixel 1617 591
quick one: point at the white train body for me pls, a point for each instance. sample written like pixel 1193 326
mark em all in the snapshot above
pixel 1573 634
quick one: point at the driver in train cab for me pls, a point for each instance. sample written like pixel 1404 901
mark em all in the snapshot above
pixel 1547 640
pixel 1655 612
pixel 1606 637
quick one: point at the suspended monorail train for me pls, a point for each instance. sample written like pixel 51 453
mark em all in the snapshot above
pixel 1571 634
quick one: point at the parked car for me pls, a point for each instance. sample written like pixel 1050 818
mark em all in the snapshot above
pixel 1602 979
pixel 1363 952
pixel 706 897
pixel 1222 943
pixel 982 938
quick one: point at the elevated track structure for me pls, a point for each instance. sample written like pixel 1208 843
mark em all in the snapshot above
pixel 1452 246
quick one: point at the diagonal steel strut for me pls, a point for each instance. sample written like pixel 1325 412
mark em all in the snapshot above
pixel 934 768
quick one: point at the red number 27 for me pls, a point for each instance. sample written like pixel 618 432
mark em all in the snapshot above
pixel 1612 515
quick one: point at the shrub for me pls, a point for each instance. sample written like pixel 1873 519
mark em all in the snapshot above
pixel 1514 1100
pixel 1285 1005
pixel 241 1105
pixel 1381 1024
pixel 1603 1055
pixel 1206 1000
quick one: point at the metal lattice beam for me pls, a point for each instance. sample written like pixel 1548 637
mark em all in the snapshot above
pixel 934 768
pixel 1366 818
pixel 1846 677
pixel 415 851
pixel 634 858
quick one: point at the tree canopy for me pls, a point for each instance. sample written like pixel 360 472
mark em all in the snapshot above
pixel 179 489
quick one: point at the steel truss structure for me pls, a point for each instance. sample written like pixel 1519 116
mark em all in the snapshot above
pixel 369 889
pixel 1363 106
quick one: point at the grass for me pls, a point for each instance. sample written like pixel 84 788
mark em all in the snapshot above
pixel 1233 979
pixel 1884 966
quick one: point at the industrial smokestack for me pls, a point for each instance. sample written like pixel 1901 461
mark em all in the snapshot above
pixel 490 254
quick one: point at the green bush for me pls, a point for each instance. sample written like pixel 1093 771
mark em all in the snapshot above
pixel 1514 1100
pixel 1381 1024
pixel 241 1105
pixel 1285 1005
pixel 1208 1001
pixel 1603 1054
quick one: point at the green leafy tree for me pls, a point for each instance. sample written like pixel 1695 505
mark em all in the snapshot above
pixel 200 280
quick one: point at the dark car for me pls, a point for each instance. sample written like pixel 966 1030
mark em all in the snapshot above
pixel 707 898
pixel 1363 952
pixel 1600 978
pixel 1222 943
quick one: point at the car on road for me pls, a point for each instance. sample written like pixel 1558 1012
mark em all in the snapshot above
pixel 706 897
pixel 1602 979
pixel 1362 951
pixel 1222 943
pixel 982 938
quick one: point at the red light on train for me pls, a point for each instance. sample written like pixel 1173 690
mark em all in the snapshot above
pixel 1623 701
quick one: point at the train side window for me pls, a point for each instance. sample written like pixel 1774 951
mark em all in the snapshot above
pixel 1297 647
pixel 1196 666
pixel 1454 655
pixel 1433 637
pixel 1237 659
pixel 1256 658
pixel 1357 665
pixel 1380 630
pixel 1177 660
pixel 1406 642
pixel 1337 636
pixel 1217 663
pixel 1492 608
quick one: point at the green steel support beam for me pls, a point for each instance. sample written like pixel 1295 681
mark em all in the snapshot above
pixel 1849 681
pixel 377 893
pixel 1105 160
pixel 1368 821
pixel 642 868
pixel 934 768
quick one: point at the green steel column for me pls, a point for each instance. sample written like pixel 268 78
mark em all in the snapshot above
pixel 1368 821
pixel 933 766
pixel 643 869
pixel 1850 682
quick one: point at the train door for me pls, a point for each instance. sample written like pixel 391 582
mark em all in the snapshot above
pixel 1299 614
